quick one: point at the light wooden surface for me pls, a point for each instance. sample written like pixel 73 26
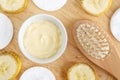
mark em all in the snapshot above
pixel 69 14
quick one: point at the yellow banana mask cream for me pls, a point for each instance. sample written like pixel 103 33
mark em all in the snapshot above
pixel 42 38
pixel 10 65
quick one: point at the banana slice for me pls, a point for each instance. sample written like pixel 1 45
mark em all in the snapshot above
pixel 81 72
pixel 13 6
pixel 10 66
pixel 96 7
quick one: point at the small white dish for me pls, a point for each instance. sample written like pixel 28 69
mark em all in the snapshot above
pixel 49 18
pixel 37 73
pixel 49 5
pixel 6 31
pixel 115 24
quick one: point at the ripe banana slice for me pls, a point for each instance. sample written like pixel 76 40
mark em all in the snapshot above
pixel 10 66
pixel 13 6
pixel 81 72
pixel 96 7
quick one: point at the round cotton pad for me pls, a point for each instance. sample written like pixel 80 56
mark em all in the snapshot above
pixel 115 24
pixel 50 5
pixel 6 31
pixel 37 73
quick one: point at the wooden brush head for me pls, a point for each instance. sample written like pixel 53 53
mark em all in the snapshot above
pixel 96 45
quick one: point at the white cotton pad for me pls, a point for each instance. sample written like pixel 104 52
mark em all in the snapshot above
pixel 37 73
pixel 115 24
pixel 49 5
pixel 6 31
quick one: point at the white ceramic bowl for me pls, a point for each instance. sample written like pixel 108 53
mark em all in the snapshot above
pixel 6 31
pixel 36 73
pixel 49 5
pixel 43 17
pixel 115 24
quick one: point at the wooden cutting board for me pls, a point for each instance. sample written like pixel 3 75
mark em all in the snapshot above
pixel 69 14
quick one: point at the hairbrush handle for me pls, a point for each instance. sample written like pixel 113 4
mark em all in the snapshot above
pixel 113 63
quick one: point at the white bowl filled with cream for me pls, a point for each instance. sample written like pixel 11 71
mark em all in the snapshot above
pixel 42 38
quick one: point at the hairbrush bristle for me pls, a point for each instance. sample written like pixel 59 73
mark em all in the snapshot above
pixel 93 40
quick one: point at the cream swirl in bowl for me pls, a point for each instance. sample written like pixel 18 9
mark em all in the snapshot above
pixel 42 38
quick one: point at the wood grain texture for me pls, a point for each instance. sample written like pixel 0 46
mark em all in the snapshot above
pixel 69 14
